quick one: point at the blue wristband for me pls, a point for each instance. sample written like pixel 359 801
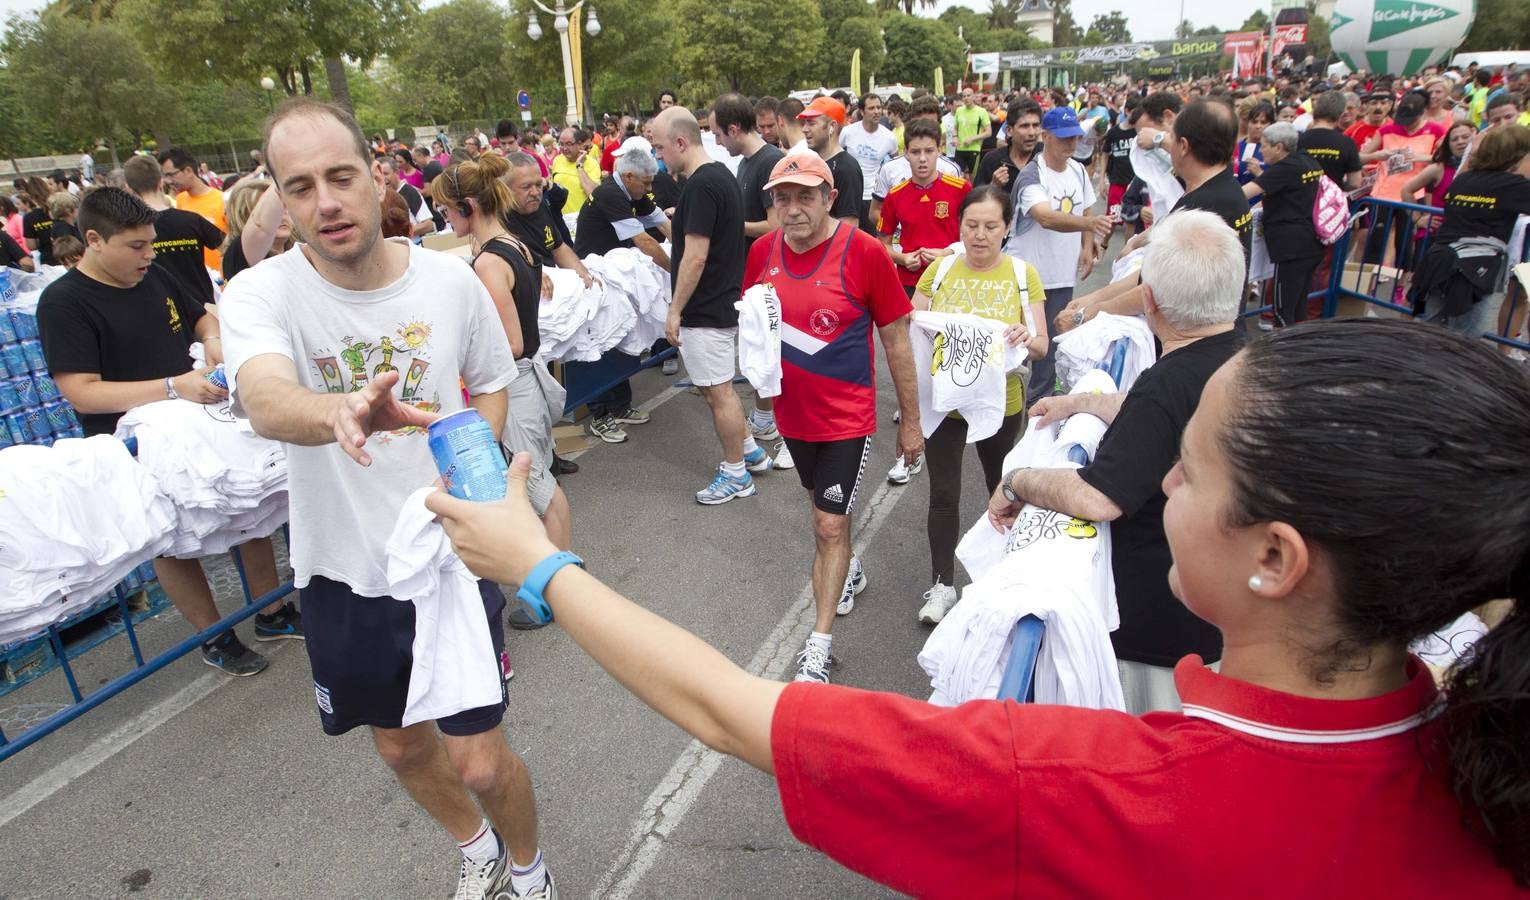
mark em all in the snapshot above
pixel 536 582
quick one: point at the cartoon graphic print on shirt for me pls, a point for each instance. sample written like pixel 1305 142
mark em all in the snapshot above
pixel 963 350
pixel 359 360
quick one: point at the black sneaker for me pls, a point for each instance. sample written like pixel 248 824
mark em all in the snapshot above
pixel 564 466
pixel 285 624
pixel 521 620
pixel 232 656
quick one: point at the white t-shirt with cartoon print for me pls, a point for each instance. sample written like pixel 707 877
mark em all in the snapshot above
pixel 435 325
pixel 1053 253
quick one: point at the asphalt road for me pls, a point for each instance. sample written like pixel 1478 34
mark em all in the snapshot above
pixel 194 784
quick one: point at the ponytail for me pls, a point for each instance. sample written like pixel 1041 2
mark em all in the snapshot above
pixel 481 180
pixel 1485 734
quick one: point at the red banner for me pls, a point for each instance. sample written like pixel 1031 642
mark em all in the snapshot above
pixel 1289 34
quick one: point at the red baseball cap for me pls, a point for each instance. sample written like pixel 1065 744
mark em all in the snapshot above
pixel 824 106
pixel 806 169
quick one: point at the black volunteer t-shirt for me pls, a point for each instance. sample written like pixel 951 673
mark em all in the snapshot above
pixel 666 190
pixel 527 291
pixel 1118 153
pixel 711 206
pixel 234 261
pixel 64 229
pixel 1136 453
pixel 753 172
pixel 849 181
pixel 37 226
pixel 139 333
pixel 12 252
pixel 992 162
pixel 1223 195
pixel 1290 191
pixel 1332 149
pixel 598 218
pixel 537 232
pixel 1484 204
pixel 179 237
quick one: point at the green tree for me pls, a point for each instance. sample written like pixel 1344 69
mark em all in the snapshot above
pixel 915 46
pixel 1258 20
pixel 719 45
pixel 997 39
pixel 864 34
pixel 1003 14
pixel 450 66
pixel 1500 25
pixel 1318 43
pixel 1065 31
pixel 904 6
pixel 964 21
pixel 837 11
pixel 91 82
pixel 1111 28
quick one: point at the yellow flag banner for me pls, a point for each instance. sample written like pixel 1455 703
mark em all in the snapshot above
pixel 940 83
pixel 855 72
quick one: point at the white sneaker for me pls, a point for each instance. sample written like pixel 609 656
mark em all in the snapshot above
pixel 901 471
pixel 483 882
pixel 855 582
pixel 784 457
pixel 938 601
pixel 813 664
pixel 765 432
pixel 548 891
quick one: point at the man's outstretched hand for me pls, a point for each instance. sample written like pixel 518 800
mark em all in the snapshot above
pixel 373 409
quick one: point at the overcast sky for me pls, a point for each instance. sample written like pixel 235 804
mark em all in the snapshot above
pixel 1147 20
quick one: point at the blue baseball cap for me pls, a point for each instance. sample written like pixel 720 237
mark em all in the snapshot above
pixel 1063 122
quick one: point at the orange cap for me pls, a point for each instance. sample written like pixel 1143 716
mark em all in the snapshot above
pixel 824 106
pixel 806 169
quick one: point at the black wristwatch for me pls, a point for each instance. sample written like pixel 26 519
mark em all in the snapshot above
pixel 1009 492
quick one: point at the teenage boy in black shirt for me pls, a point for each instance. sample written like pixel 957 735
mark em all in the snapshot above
pixel 179 236
pixel 115 331
pixel 1327 145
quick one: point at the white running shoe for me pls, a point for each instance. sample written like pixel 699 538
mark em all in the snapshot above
pixel 784 456
pixel 483 882
pixel 855 582
pixel 548 891
pixel 813 664
pixel 901 471
pixel 765 432
pixel 938 601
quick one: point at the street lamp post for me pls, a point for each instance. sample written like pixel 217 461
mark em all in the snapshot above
pixel 267 85
pixel 560 16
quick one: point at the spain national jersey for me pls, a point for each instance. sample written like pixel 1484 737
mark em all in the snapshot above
pixel 928 216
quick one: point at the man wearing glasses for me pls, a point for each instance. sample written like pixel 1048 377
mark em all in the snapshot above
pixel 194 194
pixel 575 168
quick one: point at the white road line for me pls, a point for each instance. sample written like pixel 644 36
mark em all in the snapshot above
pixel 681 786
pixel 104 748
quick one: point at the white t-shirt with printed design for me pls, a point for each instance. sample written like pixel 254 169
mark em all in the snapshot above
pixel 434 325
pixel 1053 253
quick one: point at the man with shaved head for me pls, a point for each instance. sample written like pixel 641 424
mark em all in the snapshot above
pixel 706 270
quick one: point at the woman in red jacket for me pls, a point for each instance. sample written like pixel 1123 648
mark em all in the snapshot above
pixel 1322 524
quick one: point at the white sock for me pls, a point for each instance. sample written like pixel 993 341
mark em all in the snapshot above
pixel 483 847
pixel 763 417
pixel 749 445
pixel 826 641
pixel 734 469
pixel 529 879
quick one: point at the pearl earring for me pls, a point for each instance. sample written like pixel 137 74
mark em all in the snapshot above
pixel 1255 582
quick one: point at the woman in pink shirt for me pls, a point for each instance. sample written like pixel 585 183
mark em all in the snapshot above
pixel 1409 141
pixel 406 168
pixel 12 216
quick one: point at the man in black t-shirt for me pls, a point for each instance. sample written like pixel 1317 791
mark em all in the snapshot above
pixel 821 123
pixel 1193 282
pixel 531 220
pixel 179 236
pixel 115 331
pixel 1329 147
pixel 706 276
pixel 1203 136
pixel 1002 165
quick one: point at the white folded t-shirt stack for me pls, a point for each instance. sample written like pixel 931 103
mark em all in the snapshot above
pixel 1088 347
pixel 75 519
pixel 625 310
pixel 228 484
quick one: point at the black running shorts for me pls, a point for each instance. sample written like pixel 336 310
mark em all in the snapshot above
pixel 361 650
pixel 830 470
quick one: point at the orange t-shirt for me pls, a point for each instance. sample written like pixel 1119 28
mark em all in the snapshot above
pixel 210 207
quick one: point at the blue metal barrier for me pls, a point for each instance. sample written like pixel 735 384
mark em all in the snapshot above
pixel 1386 212
pixel 586 381
pixel 1019 679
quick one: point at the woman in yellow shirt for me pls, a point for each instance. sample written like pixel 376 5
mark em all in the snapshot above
pixel 981 280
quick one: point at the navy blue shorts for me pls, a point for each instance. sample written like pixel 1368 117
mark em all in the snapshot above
pixel 361 650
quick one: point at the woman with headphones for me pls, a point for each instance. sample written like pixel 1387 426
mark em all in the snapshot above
pixel 1320 761
pixel 474 200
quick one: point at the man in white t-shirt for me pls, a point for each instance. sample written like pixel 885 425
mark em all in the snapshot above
pixel 1053 228
pixel 872 144
pixel 345 349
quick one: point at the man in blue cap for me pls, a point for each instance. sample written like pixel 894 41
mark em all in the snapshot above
pixel 1053 228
